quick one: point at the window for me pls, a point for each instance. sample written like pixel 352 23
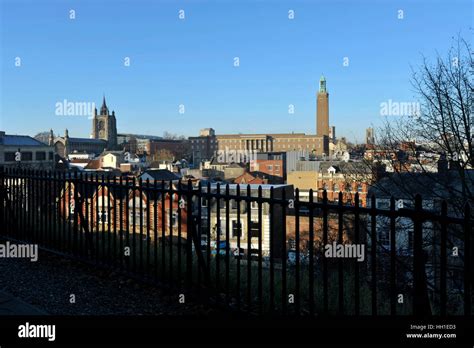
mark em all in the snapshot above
pixel 204 202
pixel 51 156
pixel 137 215
pixel 404 204
pixel 233 204
pixel 9 156
pixel 27 156
pixel 71 210
pixel 277 167
pixel 134 216
pixel 236 228
pixel 270 167
pixel 254 205
pixel 174 219
pixel 41 156
pixel 359 188
pixel 348 187
pixel 334 187
pixel 102 216
pixel 254 230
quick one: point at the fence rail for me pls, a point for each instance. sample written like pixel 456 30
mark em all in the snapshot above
pixel 259 249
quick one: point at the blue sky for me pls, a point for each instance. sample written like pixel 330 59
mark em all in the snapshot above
pixel 190 61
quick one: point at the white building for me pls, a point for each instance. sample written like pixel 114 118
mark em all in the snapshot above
pixel 23 151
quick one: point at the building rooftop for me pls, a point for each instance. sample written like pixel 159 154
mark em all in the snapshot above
pixel 20 140
pixel 279 135
pixel 109 152
pixel 87 140
pixel 252 186
pixel 162 174
pixel 429 185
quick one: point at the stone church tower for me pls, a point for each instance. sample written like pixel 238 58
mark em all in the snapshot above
pixel 104 126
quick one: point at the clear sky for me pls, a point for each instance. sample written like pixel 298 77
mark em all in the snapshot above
pixel 191 61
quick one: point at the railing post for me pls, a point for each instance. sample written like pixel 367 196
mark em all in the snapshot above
pixel 373 252
pixel 2 197
pixel 420 298
pixel 189 236
pixel 325 260
pixel 443 261
pixel 340 269
pixel 75 214
pixel 393 259
pixel 311 253
pixel 467 259
pixel 356 264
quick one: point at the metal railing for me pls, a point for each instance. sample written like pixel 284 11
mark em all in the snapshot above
pixel 259 249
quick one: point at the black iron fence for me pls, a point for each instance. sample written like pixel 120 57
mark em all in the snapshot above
pixel 260 249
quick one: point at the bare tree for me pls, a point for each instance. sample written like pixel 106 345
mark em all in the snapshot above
pixel 172 136
pixel 443 126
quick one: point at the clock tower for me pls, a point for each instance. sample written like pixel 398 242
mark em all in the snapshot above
pixel 104 126
pixel 322 113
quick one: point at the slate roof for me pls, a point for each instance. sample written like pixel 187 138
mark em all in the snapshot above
pixel 345 167
pixel 162 174
pixel 87 140
pixel 428 185
pixel 20 140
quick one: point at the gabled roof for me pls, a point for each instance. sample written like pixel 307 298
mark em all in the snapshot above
pixel 93 164
pixel 245 178
pixel 235 165
pixel 161 174
pixel 115 153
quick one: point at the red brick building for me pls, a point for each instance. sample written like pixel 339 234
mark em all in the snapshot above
pixel 178 148
pixel 123 208
pixel 346 177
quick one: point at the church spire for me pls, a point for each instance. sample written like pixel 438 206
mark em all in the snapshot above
pixel 104 110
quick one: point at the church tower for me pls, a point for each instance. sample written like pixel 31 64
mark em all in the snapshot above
pixel 322 113
pixel 104 126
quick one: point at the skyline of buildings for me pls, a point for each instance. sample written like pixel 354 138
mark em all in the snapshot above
pixel 276 159
pixel 180 75
pixel 104 136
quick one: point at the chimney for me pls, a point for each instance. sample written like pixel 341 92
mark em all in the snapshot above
pixel 442 164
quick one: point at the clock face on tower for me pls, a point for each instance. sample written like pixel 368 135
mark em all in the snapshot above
pixel 101 129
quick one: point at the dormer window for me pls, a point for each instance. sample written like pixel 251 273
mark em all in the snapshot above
pixel 331 170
